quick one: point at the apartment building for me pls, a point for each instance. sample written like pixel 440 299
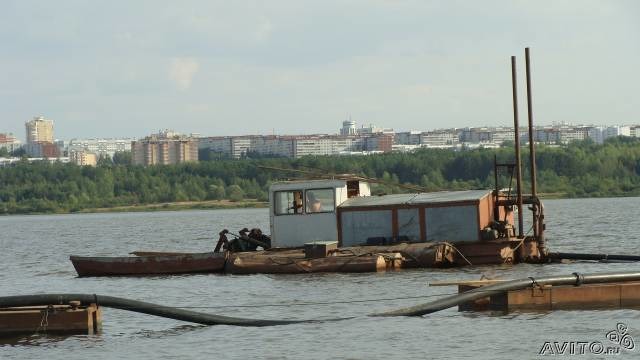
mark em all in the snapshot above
pixel 100 147
pixel 9 142
pixel 164 148
pixel 39 129
pixel 83 157
pixel 440 138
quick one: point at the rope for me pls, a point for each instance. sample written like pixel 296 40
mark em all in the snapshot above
pixel 458 251
pixel 514 249
pixel 44 321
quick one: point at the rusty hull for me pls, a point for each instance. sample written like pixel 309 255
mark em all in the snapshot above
pixel 625 295
pixel 149 265
pixel 493 252
pixel 50 319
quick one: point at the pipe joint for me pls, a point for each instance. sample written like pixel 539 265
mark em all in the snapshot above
pixel 579 278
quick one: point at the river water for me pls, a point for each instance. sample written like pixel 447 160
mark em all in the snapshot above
pixel 34 259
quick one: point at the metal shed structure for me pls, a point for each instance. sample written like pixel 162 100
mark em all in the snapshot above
pixel 452 216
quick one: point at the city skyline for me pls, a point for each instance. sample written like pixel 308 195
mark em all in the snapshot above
pixel 290 68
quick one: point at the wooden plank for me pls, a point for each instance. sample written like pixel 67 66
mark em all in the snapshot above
pixel 474 283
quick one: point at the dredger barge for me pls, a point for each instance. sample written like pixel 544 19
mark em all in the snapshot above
pixel 336 225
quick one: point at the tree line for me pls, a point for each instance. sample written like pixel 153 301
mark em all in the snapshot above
pixel 580 169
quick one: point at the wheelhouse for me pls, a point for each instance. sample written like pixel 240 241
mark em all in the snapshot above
pixel 305 211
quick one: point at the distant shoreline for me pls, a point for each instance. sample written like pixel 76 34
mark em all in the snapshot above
pixel 227 204
pixel 165 206
pixel 182 205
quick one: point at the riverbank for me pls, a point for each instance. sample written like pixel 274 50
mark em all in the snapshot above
pixel 167 206
pixel 226 204
pixel 182 205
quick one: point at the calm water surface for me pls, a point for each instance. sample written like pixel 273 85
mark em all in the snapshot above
pixel 34 259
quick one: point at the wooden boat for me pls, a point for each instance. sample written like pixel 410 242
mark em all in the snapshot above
pixel 150 264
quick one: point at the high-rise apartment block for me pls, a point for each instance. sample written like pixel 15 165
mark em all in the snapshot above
pixel 164 148
pixel 39 130
pixel 40 138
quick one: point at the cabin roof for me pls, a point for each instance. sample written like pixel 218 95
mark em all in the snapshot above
pixel 438 197
pixel 307 184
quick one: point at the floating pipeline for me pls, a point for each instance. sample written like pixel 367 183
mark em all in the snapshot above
pixel 575 279
pixel 557 256
pixel 137 306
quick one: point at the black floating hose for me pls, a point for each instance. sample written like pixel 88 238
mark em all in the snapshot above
pixel 210 319
pixel 138 306
pixel 484 291
pixel 597 257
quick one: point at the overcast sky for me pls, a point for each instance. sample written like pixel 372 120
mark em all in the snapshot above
pixel 129 68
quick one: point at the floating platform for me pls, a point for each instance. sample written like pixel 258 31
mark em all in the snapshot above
pixel 316 257
pixel 621 295
pixel 68 319
pixel 296 261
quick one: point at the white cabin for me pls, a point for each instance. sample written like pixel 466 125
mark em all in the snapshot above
pixel 305 211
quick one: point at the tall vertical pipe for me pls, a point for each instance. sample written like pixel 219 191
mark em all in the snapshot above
pixel 532 148
pixel 516 129
pixel 496 207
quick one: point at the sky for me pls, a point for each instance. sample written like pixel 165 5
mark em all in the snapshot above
pixel 131 68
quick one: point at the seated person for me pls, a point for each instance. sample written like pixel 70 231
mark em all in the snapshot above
pixel 297 207
pixel 313 204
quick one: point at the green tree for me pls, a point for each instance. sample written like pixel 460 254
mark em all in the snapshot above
pixel 235 193
pixel 122 158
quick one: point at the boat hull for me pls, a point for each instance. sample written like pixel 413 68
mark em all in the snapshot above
pixel 149 265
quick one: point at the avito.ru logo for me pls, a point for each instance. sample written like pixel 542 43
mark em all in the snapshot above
pixel 620 337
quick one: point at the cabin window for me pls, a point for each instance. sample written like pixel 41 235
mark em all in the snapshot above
pixel 319 201
pixel 288 202
pixel 353 188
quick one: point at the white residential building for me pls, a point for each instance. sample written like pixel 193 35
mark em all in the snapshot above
pixel 408 138
pixel 100 147
pixel 439 138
